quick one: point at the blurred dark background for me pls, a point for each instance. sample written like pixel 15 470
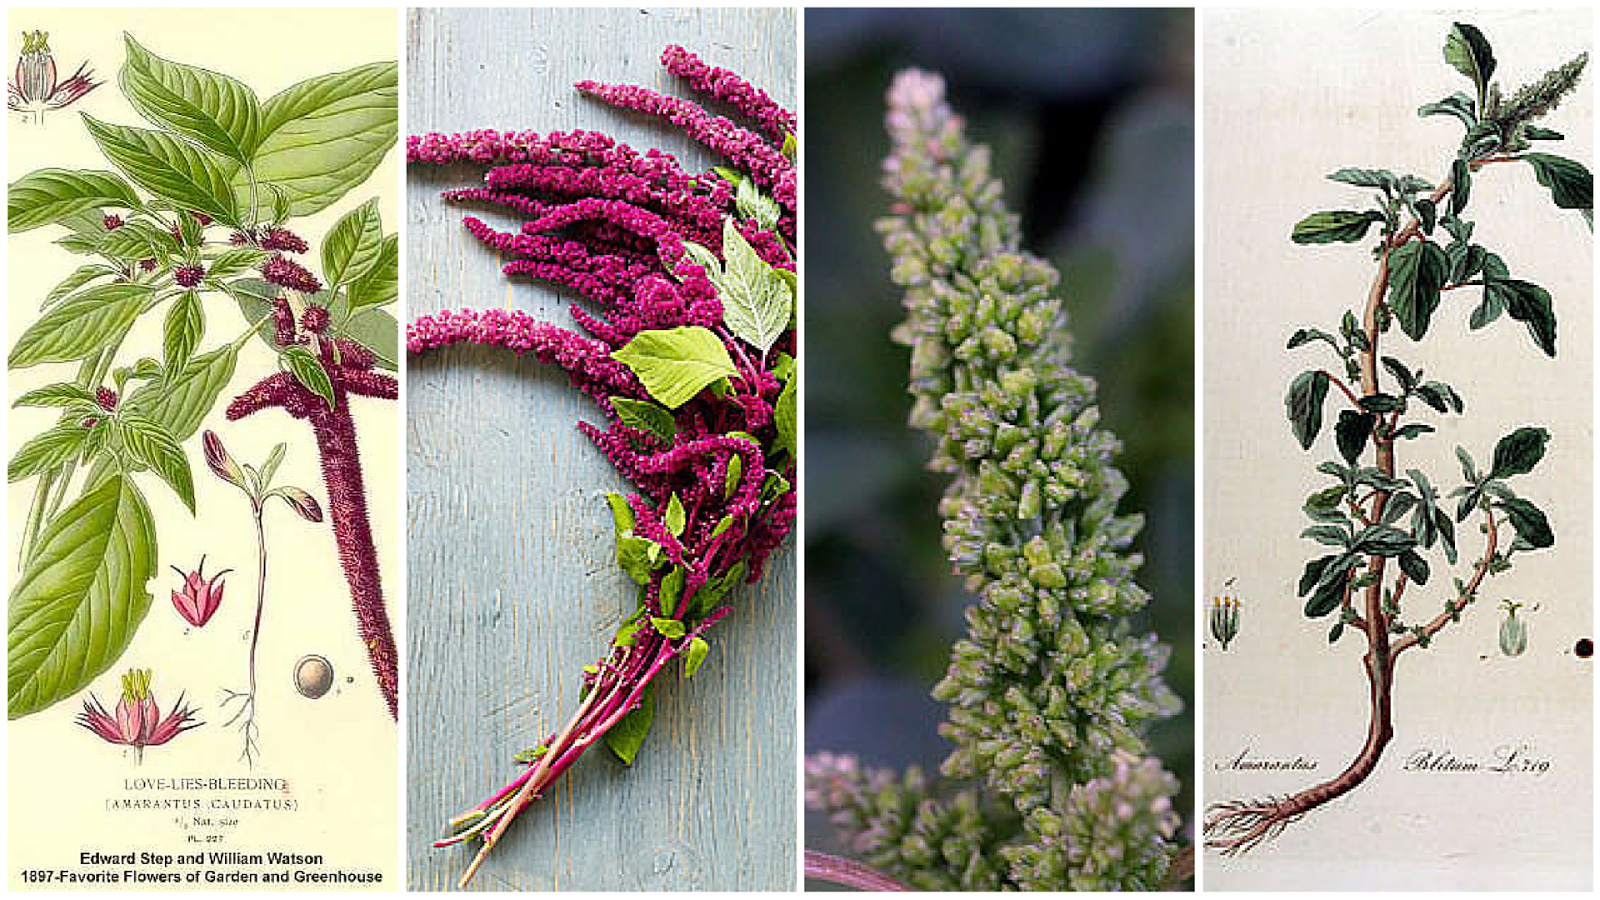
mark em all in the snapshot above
pixel 1090 114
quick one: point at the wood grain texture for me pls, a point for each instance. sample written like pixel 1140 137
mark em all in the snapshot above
pixel 512 588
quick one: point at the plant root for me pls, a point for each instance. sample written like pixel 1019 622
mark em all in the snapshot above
pixel 1240 826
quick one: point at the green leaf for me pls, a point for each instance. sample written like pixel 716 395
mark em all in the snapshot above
pixel 180 404
pixel 216 111
pixel 675 518
pixel 730 484
pixel 1571 186
pixel 1518 452
pixel 185 325
pixel 1530 523
pixel 1380 403
pixel 694 656
pixel 80 597
pixel 1412 430
pixel 627 736
pixel 353 246
pixel 1415 567
pixel 61 394
pixel 1417 273
pixel 671 629
pixel 1327 227
pixel 1384 540
pixel 646 416
pixel 1371 178
pixel 1467 50
pixel 1328 591
pixel 755 302
pixel 1460 191
pixel 46 451
pixel 1536 133
pixel 79 277
pixel 49 195
pixel 154 446
pixel 1529 304
pixel 621 513
pixel 167 167
pixel 637 556
pixel 1458 104
pixel 671 587
pixel 1304 405
pixel 675 364
pixel 381 283
pixel 1303 336
pixel 752 204
pixel 786 415
pixel 81 325
pixel 230 263
pixel 325 135
pixel 1331 535
pixel 1351 433
pixel 308 370
pixel 138 240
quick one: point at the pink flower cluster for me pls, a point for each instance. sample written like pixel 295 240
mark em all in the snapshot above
pixel 285 272
pixel 728 87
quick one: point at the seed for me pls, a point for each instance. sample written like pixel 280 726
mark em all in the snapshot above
pixel 313 675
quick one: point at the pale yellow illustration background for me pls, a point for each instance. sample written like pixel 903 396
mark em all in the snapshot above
pixel 1288 98
pixel 340 753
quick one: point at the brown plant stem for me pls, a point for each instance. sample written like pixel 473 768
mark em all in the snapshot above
pixel 1237 827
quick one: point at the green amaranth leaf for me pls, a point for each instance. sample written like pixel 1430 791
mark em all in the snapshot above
pixel 61 394
pixel 627 736
pixel 325 135
pixel 694 656
pixel 1530 523
pixel 234 262
pixel 1467 51
pixel 46 451
pixel 173 170
pixel 671 629
pixel 1327 227
pixel 755 302
pixel 1458 104
pixel 81 596
pixel 381 283
pixel 1571 184
pixel 217 111
pixel 1417 273
pixel 1304 405
pixel 49 195
pixel 785 414
pixel 353 246
pixel 80 325
pixel 79 277
pixel 621 513
pixel 180 404
pixel 308 370
pixel 136 241
pixel 1518 452
pixel 752 204
pixel 184 326
pixel 646 416
pixel 154 446
pixel 675 518
pixel 675 364
pixel 1529 304
pixel 1351 433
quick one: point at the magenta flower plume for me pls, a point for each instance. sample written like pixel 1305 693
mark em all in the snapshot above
pixel 713 466
pixel 283 239
pixel 285 272
pixel 198 599
pixel 137 722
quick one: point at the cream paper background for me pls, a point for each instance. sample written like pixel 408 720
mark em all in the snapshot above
pixel 340 754
pixel 1289 97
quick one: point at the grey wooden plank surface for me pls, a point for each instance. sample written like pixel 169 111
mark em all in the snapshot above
pixel 511 586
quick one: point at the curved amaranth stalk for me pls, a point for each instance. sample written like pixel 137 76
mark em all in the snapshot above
pixel 349 369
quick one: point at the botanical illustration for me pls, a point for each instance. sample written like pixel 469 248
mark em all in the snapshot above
pixel 137 721
pixel 193 222
pixel 1405 549
pixel 1049 782
pixel 690 359
pixel 37 87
